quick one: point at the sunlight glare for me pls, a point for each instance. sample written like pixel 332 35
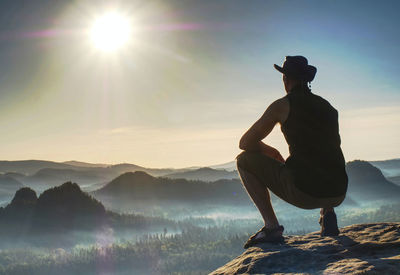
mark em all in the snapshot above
pixel 110 32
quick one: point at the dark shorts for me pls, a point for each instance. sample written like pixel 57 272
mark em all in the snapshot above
pixel 279 179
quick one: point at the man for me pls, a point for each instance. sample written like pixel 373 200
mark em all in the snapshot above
pixel 314 174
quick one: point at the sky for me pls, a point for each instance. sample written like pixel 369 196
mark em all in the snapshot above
pixel 193 78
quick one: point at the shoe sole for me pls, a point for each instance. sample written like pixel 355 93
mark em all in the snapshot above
pixel 272 241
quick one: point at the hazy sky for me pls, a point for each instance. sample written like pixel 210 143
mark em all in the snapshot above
pixel 196 76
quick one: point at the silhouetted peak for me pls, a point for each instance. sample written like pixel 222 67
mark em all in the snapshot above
pixel 367 182
pixel 68 200
pixel 130 181
pixel 67 189
pixel 70 186
pixel 24 195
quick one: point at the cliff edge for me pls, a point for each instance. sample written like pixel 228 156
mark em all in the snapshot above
pixel 359 249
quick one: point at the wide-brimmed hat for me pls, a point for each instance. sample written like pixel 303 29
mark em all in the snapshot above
pixel 297 67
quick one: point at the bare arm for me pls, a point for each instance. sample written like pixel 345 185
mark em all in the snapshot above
pixel 252 140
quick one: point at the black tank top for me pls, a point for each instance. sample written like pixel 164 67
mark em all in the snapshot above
pixel 312 133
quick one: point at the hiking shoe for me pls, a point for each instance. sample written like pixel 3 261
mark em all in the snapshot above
pixel 328 224
pixel 266 235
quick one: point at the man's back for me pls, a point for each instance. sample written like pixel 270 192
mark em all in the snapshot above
pixel 312 133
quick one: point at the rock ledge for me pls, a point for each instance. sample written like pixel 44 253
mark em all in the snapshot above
pixel 359 249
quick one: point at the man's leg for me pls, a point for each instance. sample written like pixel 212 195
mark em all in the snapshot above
pixel 328 222
pixel 325 210
pixel 260 196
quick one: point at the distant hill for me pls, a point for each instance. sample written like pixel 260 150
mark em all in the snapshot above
pixel 49 177
pixel 142 186
pixel 127 167
pixel 61 214
pixel 10 184
pixel 90 175
pixel 389 168
pixel 67 207
pixel 367 182
pixel 85 164
pixel 205 174
pixel 230 166
pixel 50 173
pixel 29 167
pixel 14 175
pixel 61 208
pixel 395 180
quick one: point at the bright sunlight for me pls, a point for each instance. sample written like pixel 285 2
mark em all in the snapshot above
pixel 110 32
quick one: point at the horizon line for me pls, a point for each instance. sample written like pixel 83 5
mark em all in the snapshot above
pixel 148 167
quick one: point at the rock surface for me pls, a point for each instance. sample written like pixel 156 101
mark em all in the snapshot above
pixel 359 249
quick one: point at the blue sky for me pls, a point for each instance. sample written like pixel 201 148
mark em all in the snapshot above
pixel 196 78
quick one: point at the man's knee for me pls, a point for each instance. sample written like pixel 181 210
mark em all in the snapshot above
pixel 241 159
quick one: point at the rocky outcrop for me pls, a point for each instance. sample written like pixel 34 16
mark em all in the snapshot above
pixel 24 196
pixel 359 249
pixel 20 210
pixel 65 207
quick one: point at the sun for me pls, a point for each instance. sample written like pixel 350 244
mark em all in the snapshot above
pixel 111 31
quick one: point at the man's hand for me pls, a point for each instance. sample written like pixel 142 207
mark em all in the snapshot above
pixel 276 155
pixel 271 152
